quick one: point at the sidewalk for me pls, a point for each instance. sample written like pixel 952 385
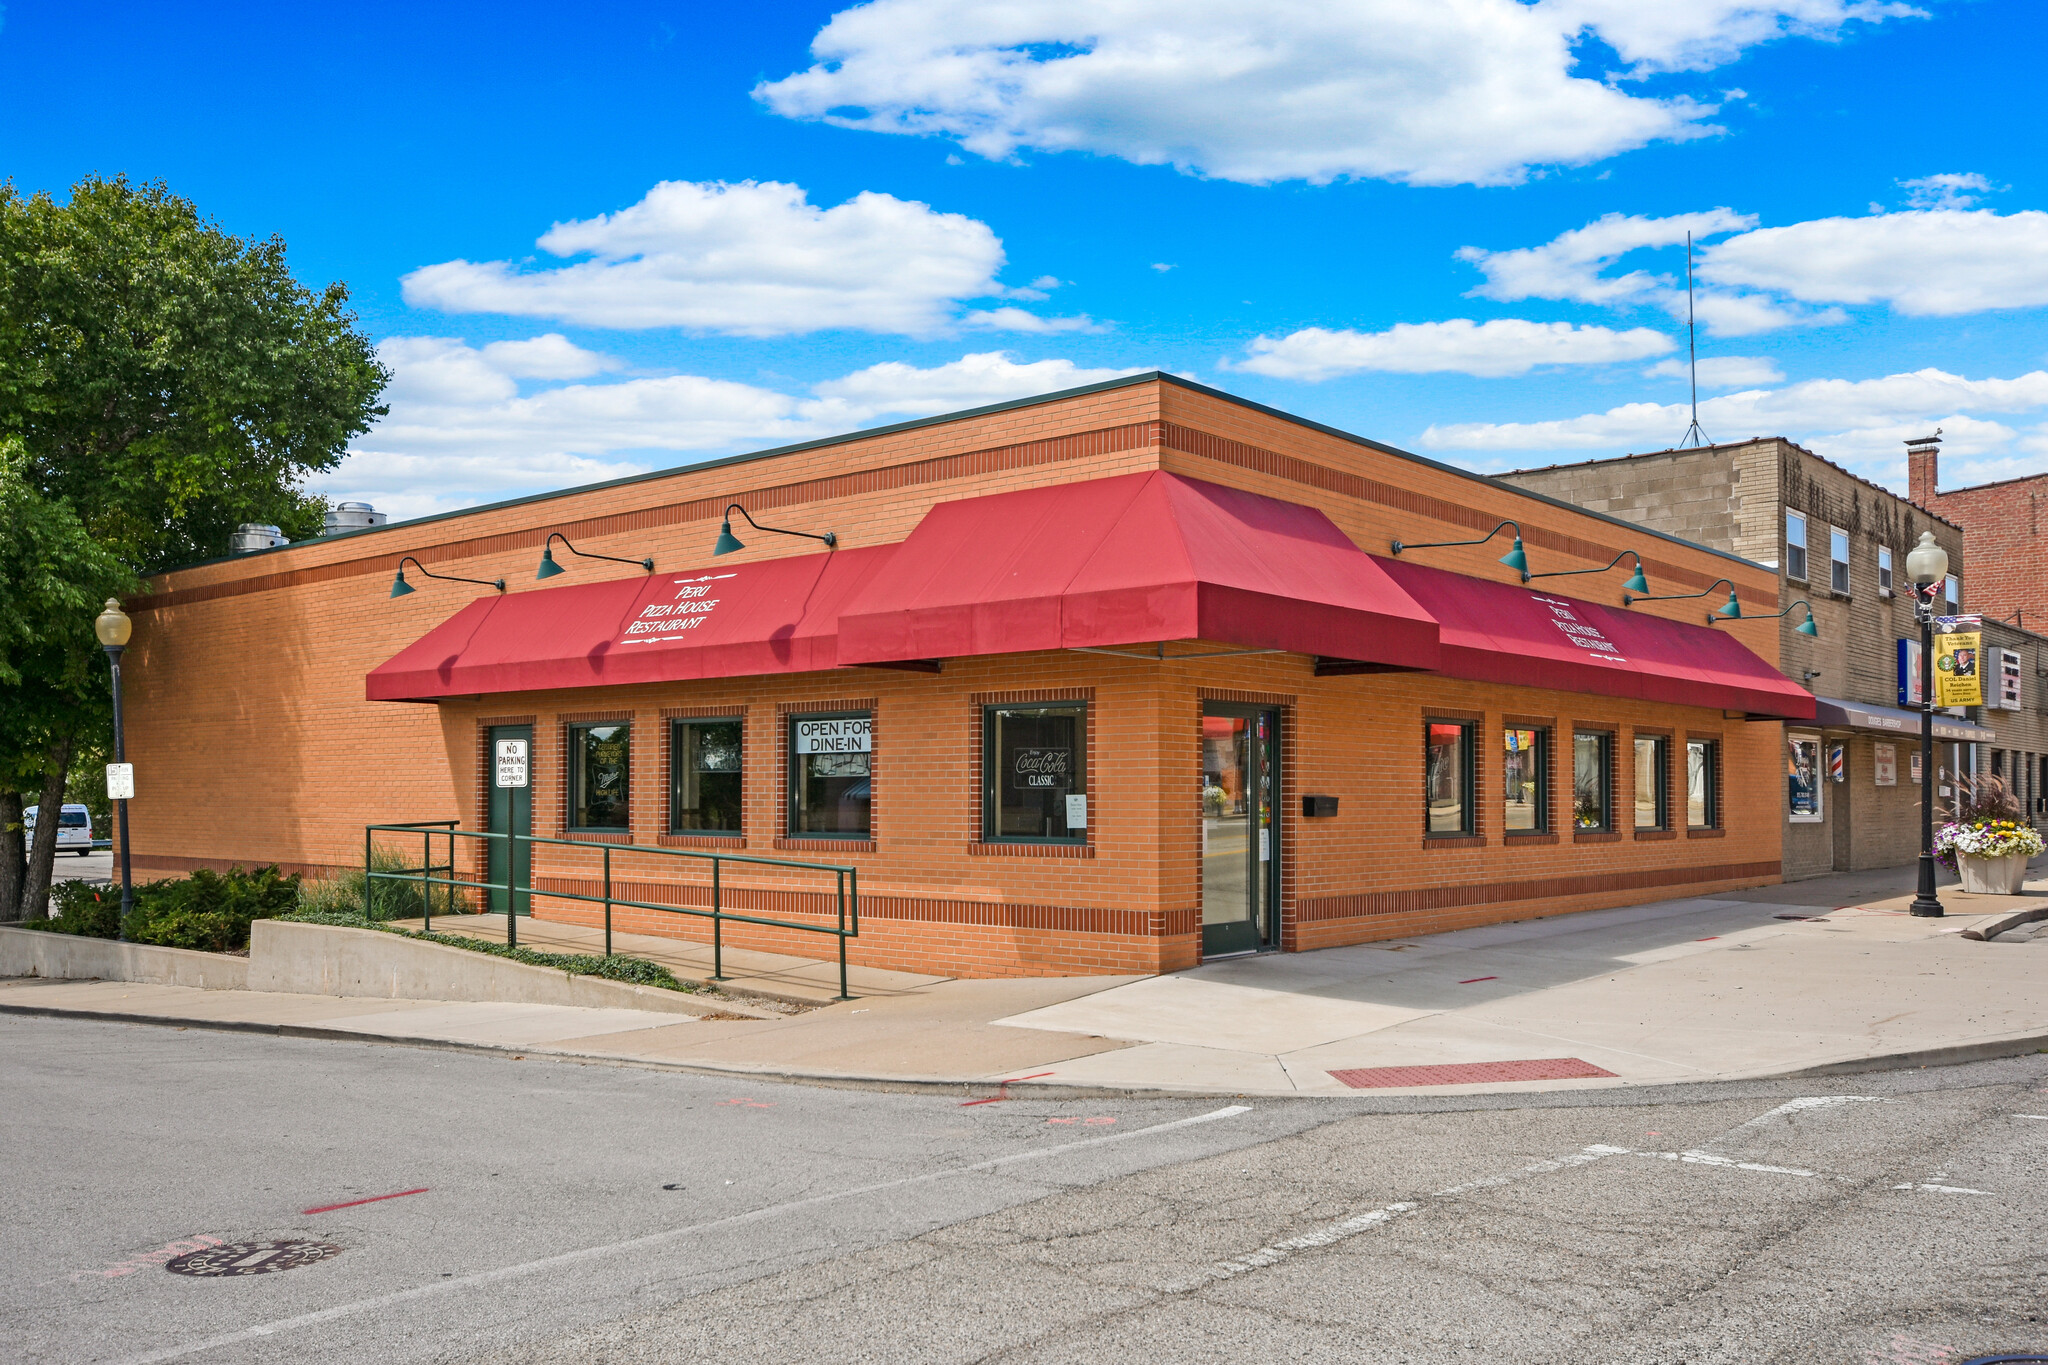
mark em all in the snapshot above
pixel 1830 973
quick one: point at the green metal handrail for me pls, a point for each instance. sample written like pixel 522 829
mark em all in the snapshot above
pixel 846 885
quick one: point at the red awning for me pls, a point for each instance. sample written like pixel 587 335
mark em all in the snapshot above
pixel 1500 632
pixel 1131 560
pixel 773 616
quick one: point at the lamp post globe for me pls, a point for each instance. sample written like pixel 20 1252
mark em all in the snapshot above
pixel 1926 565
pixel 1927 562
pixel 113 628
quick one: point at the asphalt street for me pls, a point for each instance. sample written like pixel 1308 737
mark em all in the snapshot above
pixel 552 1211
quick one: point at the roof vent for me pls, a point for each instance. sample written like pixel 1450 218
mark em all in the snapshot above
pixel 352 516
pixel 255 536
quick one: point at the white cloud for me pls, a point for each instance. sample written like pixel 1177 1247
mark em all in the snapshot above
pixel 1503 346
pixel 1927 262
pixel 1009 319
pixel 755 258
pixel 460 432
pixel 552 356
pixel 1448 92
pixel 970 382
pixel 1699 35
pixel 1860 423
pixel 1953 190
pixel 1722 371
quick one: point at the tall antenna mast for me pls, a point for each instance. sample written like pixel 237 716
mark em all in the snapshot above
pixel 1693 435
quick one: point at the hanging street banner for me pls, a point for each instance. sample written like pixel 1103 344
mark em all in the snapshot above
pixel 1958 681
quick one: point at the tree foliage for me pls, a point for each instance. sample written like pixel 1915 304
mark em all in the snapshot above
pixel 161 381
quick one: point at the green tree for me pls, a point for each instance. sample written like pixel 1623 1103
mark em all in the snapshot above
pixel 161 380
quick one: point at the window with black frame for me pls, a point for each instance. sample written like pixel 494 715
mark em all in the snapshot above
pixel 1592 780
pixel 600 775
pixel 1702 799
pixel 1653 782
pixel 1525 781
pixel 1035 773
pixel 704 774
pixel 1447 777
pixel 831 774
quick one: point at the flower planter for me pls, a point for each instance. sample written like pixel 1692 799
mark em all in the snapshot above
pixel 2000 876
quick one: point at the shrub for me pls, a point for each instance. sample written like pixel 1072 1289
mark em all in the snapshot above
pixel 85 909
pixel 207 911
pixel 389 899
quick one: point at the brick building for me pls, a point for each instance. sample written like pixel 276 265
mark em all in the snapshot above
pixel 1837 543
pixel 2015 668
pixel 2001 533
pixel 1100 681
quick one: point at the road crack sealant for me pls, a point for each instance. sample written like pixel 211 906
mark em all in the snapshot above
pixel 654 1239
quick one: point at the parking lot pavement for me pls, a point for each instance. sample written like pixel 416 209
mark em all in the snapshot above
pixel 454 1207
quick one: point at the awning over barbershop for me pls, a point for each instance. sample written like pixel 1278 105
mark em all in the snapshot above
pixel 1835 713
pixel 1136 559
pixel 1501 632
pixel 772 616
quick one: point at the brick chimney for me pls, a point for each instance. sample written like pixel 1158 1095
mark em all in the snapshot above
pixel 1923 460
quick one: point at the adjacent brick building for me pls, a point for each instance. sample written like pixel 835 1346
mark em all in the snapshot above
pixel 2002 524
pixel 1838 543
pixel 1250 787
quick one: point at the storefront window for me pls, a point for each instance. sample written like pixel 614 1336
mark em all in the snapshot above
pixel 830 763
pixel 1802 777
pixel 1592 779
pixel 1035 773
pixel 1525 784
pixel 1447 777
pixel 600 777
pixel 1702 800
pixel 1653 766
pixel 704 777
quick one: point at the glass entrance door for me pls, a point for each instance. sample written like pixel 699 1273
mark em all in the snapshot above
pixel 1240 838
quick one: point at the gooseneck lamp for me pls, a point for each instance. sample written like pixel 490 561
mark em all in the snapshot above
pixel 1637 583
pixel 1731 610
pixel 399 587
pixel 1806 627
pixel 1927 566
pixel 548 567
pixel 1514 558
pixel 728 542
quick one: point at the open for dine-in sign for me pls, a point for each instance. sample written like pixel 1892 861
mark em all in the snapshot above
pixel 835 735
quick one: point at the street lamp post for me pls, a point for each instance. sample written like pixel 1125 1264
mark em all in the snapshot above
pixel 1927 565
pixel 113 627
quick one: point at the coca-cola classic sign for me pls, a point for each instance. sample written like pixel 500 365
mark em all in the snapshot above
pixel 1043 767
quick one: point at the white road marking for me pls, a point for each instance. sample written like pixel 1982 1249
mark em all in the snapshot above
pixel 1804 1102
pixel 1939 1189
pixel 1696 1158
pixel 653 1239
pixel 2030 1116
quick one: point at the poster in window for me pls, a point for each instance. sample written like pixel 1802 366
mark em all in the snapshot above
pixel 1884 763
pixel 1802 778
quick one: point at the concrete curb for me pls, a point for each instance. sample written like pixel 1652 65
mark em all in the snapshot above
pixel 1990 1050
pixel 1984 933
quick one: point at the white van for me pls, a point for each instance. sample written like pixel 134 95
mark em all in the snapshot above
pixel 74 829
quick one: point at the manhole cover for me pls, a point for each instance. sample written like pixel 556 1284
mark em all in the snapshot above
pixel 251 1258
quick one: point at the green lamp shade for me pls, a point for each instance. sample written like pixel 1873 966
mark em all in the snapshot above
pixel 399 587
pixel 1807 627
pixel 727 541
pixel 1515 559
pixel 1733 609
pixel 548 567
pixel 1637 584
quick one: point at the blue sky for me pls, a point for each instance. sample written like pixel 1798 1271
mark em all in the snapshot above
pixel 616 237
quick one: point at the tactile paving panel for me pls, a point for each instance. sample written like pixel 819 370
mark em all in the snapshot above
pixel 1469 1073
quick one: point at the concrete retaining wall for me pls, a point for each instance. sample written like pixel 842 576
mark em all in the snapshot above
pixel 319 959
pixel 68 957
